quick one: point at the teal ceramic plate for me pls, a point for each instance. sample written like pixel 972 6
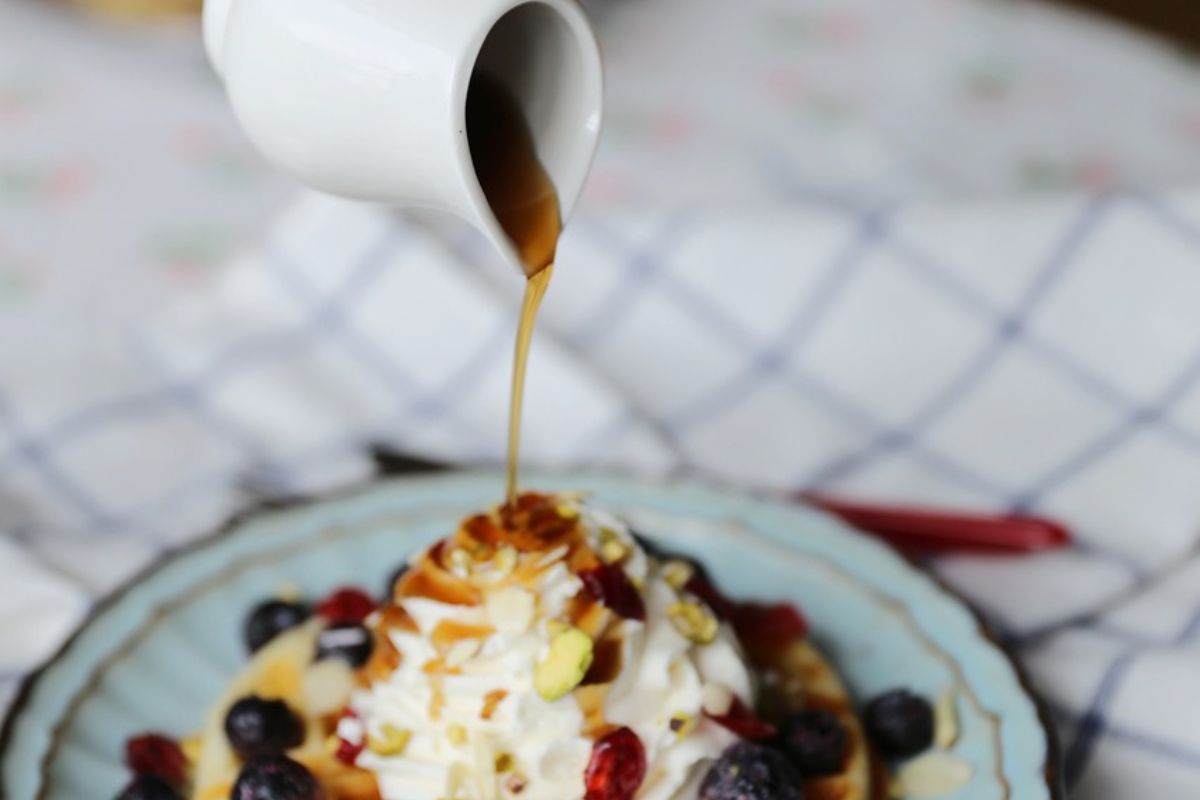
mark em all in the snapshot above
pixel 155 655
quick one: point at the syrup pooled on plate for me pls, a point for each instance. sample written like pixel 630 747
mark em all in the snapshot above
pixel 524 202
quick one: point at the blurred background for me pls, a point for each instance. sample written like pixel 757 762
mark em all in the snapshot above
pixel 918 251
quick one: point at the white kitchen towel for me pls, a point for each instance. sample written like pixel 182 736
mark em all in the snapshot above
pixel 1041 356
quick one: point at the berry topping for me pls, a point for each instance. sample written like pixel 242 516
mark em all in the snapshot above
pixel 272 618
pixel 608 585
pixel 347 750
pixel 155 754
pixel 748 771
pixel 149 787
pixel 350 642
pixel 275 778
pixel 814 741
pixel 346 604
pixel 742 720
pixel 617 768
pixel 899 723
pixel 764 630
pixel 257 727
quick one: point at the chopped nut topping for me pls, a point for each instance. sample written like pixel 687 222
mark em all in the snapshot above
pixel 571 653
pixel 552 556
pixel 490 701
pixel 506 559
pixel 390 741
pixel 677 574
pixel 613 551
pixel 932 775
pixel 683 723
pixel 511 609
pixel 461 652
pixel 460 561
pixel 694 621
pixel 716 699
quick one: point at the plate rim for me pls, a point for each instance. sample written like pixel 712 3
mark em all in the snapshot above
pixel 398 468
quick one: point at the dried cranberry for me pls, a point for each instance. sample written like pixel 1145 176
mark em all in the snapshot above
pixel 346 604
pixel 742 720
pixel 609 585
pixel 347 751
pixel 155 754
pixel 759 622
pixel 721 605
pixel 617 768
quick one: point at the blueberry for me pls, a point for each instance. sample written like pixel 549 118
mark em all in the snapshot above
pixel 347 641
pixel 149 787
pixel 899 723
pixel 275 778
pixel 814 741
pixel 257 727
pixel 749 771
pixel 272 618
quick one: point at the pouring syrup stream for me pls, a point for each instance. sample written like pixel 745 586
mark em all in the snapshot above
pixel 525 203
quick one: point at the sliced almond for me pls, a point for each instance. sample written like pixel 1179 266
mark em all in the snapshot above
pixel 931 775
pixel 553 556
pixel 460 562
pixel 716 699
pixel 506 559
pixel 945 720
pixel 511 609
pixel 461 652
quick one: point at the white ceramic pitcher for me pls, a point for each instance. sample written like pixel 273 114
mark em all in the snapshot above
pixel 367 98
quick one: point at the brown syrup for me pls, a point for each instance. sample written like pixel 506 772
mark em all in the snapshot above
pixel 525 203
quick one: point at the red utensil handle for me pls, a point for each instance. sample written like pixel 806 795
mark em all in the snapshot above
pixel 936 530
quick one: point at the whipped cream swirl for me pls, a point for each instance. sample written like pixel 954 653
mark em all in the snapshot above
pixel 482 731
